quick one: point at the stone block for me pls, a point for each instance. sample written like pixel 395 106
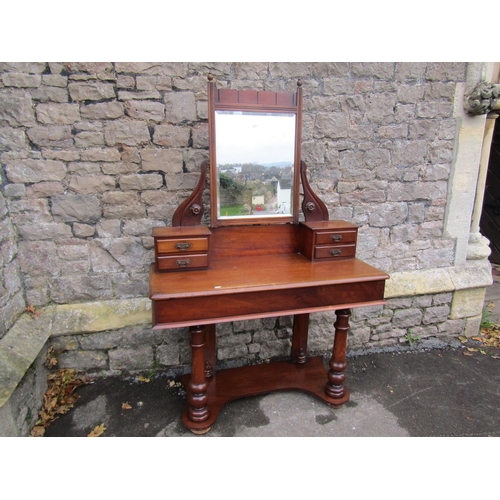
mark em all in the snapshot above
pixel 446 71
pixel 472 326
pixel 58 114
pixel 28 171
pixel 84 361
pixel 77 288
pixel 436 314
pixel 16 109
pixel 232 352
pixel 405 318
pixel 45 231
pixel 101 155
pixel 123 211
pixel 97 91
pixel 55 80
pixel 76 208
pixel 38 258
pixel 11 311
pixel 50 94
pixel 168 355
pixel 23 67
pixel 128 132
pixel 145 110
pixel 102 111
pixel 51 135
pixel 141 182
pixel 331 125
pixel 467 303
pixel 276 348
pixel 44 189
pixel 153 68
pixel 91 184
pixel 171 135
pixel 12 138
pixel 125 95
pixel 155 82
pixel 87 139
pixel 139 358
pixel 164 160
pixel 180 107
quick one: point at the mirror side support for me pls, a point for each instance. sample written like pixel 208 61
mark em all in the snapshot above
pixel 190 211
pixel 313 208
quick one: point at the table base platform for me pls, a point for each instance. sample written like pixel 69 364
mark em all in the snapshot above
pixel 234 383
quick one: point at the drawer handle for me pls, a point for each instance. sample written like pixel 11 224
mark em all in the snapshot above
pixel 335 252
pixel 183 263
pixel 336 237
pixel 182 246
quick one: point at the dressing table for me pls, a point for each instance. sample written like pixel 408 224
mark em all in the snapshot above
pixel 256 259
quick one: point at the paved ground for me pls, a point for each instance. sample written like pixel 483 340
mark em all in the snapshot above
pixel 422 392
pixel 439 392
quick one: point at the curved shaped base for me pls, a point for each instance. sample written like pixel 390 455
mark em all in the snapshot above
pixel 234 383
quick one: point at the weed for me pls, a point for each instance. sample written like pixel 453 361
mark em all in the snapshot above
pixel 412 338
pixel 486 319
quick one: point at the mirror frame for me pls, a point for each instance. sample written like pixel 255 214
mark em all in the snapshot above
pixel 256 101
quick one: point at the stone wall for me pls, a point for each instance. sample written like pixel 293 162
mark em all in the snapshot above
pixel 94 155
pixel 12 302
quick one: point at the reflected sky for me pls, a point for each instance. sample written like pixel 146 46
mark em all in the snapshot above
pixel 247 137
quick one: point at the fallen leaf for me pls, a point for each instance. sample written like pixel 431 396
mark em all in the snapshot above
pixel 143 379
pixel 59 397
pixel 463 339
pixel 479 339
pixel 38 431
pixel 98 431
pixel 126 406
pixel 31 309
pixel 472 349
pixel 467 354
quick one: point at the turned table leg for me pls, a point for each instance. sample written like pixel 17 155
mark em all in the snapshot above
pixel 210 350
pixel 299 338
pixel 197 387
pixel 336 374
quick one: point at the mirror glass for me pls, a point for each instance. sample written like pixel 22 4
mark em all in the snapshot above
pixel 255 157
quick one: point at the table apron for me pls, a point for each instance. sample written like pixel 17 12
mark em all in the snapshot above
pixel 204 309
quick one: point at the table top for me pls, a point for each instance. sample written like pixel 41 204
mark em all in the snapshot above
pixel 259 273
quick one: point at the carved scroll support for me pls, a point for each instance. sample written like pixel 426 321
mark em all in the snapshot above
pixel 190 211
pixel 482 99
pixel 313 208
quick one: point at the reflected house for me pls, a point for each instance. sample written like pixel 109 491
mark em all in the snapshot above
pixel 284 193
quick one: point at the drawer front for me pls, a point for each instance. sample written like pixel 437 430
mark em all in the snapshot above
pixel 181 245
pixel 335 237
pixel 181 262
pixel 334 252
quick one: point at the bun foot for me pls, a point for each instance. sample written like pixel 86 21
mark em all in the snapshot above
pixel 200 432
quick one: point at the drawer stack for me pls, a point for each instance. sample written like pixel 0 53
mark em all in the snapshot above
pixel 181 248
pixel 328 240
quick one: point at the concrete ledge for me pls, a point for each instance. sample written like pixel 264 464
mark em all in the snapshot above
pixel 89 317
pixel 474 274
pixel 20 347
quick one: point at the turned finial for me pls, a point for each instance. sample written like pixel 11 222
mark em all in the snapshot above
pixel 210 77
pixel 299 83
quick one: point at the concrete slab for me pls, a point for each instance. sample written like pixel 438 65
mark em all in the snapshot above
pixel 435 392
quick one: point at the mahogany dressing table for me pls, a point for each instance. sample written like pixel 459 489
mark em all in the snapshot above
pixel 257 260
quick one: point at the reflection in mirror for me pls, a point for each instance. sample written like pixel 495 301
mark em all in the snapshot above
pixel 255 163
